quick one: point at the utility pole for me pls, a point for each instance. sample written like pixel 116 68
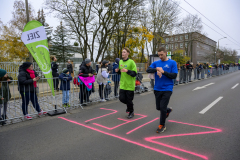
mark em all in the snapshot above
pixel 26 3
pixel 218 49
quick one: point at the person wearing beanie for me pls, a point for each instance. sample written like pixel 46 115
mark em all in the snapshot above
pixel 116 77
pixel 102 79
pixel 70 67
pixel 128 70
pixel 27 86
pixel 54 67
pixel 65 78
pixel 2 72
pixel 5 94
pixel 85 71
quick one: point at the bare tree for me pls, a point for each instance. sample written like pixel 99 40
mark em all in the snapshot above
pixel 93 22
pixel 163 16
pixel 19 19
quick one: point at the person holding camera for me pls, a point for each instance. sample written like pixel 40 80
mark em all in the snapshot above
pixel 27 85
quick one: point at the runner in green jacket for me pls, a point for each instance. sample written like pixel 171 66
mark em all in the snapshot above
pixel 128 70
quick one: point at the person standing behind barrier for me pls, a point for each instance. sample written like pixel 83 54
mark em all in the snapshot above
pixel 27 84
pixel 102 78
pixel 55 74
pixel 165 71
pixel 189 67
pixel 110 68
pixel 70 68
pixel 198 71
pixel 182 74
pixel 65 78
pixel 5 94
pixel 116 77
pixel 128 70
pixel 85 71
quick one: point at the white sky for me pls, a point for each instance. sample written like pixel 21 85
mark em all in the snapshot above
pixel 224 13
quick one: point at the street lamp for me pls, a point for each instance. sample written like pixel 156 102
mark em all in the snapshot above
pixel 218 47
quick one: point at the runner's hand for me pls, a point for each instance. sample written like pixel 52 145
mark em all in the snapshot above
pixel 2 98
pixel 159 74
pixel 161 70
pixel 124 70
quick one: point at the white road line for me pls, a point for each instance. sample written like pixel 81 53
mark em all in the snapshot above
pixel 210 105
pixel 235 86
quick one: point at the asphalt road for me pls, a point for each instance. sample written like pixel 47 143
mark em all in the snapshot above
pixel 103 132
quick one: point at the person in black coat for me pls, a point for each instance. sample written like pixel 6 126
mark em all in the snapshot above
pixel 70 67
pixel 55 74
pixel 27 84
pixel 189 67
pixel 85 71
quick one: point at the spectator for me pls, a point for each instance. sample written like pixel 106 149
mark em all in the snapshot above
pixel 189 67
pixel 116 77
pixel 70 68
pixel 5 94
pixel 102 78
pixel 65 78
pixel 85 71
pixel 107 90
pixel 182 74
pixel 98 66
pixel 55 74
pixel 27 85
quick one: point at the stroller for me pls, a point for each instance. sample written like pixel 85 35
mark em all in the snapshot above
pixel 139 87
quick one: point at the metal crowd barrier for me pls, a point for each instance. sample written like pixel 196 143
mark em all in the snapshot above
pixel 14 111
pixel 187 75
pixel 15 106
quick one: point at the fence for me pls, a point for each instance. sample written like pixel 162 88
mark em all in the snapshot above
pixel 79 96
pixel 187 75
pixel 13 67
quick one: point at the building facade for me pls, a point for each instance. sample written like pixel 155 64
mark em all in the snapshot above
pixel 198 47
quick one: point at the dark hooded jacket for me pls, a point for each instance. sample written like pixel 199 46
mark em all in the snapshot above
pixel 25 82
pixel 85 70
pixel 54 69
pixel 115 76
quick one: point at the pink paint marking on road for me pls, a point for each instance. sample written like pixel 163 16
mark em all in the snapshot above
pixel 111 128
pixel 114 111
pixel 125 139
pixel 150 139
pixel 142 125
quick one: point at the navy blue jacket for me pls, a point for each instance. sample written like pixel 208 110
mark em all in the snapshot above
pixel 115 76
pixel 65 82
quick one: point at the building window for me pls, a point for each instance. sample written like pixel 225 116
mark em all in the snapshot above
pixel 166 46
pixel 181 38
pixel 181 45
pixel 176 46
pixel 176 38
pixel 167 39
pixel 172 46
pixel 186 36
pixel 171 38
pixel 186 45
